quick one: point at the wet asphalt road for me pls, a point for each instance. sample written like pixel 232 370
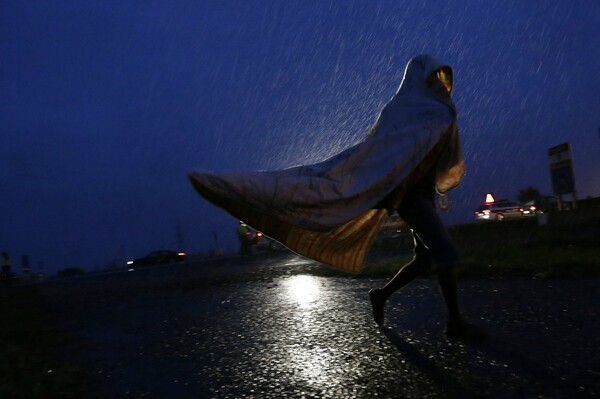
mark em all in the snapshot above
pixel 264 328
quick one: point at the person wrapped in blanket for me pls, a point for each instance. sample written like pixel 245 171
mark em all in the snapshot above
pixel 431 239
pixel 331 211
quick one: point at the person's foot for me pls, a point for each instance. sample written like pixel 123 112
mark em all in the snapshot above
pixel 378 302
pixel 464 331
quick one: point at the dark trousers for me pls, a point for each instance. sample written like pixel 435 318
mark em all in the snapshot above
pixel 430 235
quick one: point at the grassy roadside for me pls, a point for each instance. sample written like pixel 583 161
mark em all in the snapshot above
pixel 29 351
pixel 518 248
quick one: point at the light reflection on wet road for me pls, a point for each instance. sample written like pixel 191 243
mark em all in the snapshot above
pixel 266 329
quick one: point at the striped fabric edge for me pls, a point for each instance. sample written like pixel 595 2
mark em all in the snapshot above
pixel 344 248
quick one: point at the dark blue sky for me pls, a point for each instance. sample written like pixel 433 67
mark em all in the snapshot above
pixel 106 104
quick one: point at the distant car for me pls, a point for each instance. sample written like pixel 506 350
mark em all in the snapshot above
pixel 264 243
pixel 541 205
pixel 499 210
pixel 158 258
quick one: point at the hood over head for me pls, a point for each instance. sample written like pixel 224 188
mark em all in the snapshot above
pixel 422 77
pixel 420 95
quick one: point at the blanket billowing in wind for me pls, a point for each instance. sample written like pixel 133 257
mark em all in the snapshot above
pixel 331 211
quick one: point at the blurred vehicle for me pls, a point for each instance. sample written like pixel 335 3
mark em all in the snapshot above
pixel 264 243
pixel 158 258
pixel 259 238
pixel 541 205
pixel 499 210
pixel 8 276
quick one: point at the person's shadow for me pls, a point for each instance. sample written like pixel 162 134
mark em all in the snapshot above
pixel 491 347
pixel 442 378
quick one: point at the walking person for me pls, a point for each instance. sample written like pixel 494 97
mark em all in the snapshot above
pixel 332 210
pixel 432 242
pixel 244 235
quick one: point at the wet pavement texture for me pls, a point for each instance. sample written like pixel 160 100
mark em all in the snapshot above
pixel 268 328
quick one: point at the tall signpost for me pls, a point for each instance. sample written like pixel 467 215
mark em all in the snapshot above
pixel 561 171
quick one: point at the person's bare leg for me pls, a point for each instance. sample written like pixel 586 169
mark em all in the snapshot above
pixel 379 296
pixel 448 286
pixel 457 327
pixel 405 275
